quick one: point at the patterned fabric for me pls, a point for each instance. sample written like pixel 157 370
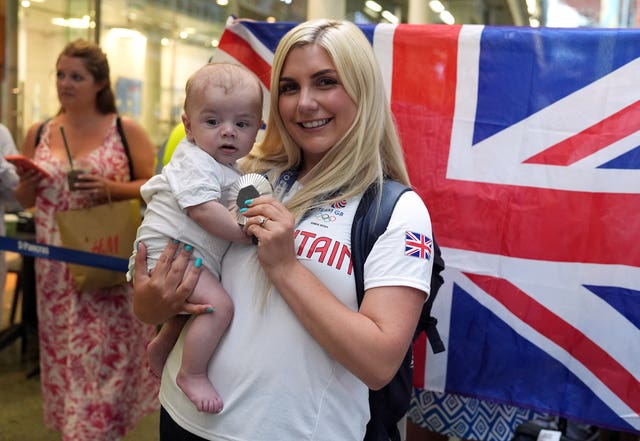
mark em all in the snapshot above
pixel 96 383
pixel 467 418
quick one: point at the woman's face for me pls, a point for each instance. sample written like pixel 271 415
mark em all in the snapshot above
pixel 76 86
pixel 314 106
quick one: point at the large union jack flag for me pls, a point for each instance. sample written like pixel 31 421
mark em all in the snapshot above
pixel 525 145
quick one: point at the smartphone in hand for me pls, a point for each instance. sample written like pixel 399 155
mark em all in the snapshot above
pixel 24 163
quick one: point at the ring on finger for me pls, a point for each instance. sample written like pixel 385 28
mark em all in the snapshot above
pixel 262 220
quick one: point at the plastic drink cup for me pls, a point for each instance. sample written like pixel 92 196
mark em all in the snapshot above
pixel 73 178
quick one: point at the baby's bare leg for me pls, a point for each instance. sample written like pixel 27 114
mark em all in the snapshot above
pixel 159 348
pixel 201 340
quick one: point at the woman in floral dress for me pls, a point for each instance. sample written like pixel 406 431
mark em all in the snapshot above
pixel 96 382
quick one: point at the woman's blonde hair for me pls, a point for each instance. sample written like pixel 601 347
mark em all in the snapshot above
pixel 368 152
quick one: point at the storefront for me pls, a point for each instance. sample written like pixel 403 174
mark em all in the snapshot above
pixel 152 47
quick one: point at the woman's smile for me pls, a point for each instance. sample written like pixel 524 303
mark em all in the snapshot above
pixel 315 124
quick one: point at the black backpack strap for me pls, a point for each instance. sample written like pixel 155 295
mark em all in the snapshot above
pixel 368 225
pixel 427 321
pixel 369 222
pixel 125 145
pixel 389 404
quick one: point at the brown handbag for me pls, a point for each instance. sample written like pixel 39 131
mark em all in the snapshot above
pixel 108 229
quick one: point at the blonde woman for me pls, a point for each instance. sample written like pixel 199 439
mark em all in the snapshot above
pixel 301 366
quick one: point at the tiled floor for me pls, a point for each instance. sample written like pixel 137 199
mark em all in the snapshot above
pixel 20 406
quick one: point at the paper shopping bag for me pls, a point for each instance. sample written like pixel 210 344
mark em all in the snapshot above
pixel 108 229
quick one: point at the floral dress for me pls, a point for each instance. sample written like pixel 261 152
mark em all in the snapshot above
pixel 95 378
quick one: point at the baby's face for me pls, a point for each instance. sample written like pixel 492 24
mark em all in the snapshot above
pixel 225 125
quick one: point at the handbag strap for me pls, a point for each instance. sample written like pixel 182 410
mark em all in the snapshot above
pixel 125 145
pixel 39 132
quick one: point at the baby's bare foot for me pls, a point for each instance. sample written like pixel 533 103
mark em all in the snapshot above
pixel 200 391
pixel 158 354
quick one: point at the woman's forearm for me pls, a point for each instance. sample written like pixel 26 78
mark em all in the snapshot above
pixel 125 190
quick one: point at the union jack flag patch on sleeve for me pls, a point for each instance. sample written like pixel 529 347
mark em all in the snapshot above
pixel 417 245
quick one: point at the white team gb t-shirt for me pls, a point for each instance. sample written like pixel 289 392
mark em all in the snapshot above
pixel 276 382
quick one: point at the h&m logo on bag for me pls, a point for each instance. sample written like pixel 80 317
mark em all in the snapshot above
pixel 106 245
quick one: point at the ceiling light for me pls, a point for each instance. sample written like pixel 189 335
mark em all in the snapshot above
pixel 25 3
pixel 436 6
pixel 164 41
pixel 390 17
pixel 74 23
pixel 373 6
pixel 222 2
pixel 124 33
pixel 447 17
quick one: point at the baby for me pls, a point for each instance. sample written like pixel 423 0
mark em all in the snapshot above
pixel 187 202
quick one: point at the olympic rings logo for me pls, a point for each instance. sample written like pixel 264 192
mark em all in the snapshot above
pixel 324 217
